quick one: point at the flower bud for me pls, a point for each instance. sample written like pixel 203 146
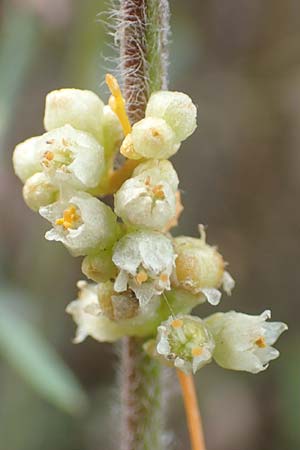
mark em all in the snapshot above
pixel 39 191
pixel 81 109
pixel 177 109
pixel 186 342
pixel 117 306
pixel 143 203
pixel 145 260
pixel 27 158
pixel 153 138
pixel 158 170
pixel 99 267
pixel 72 157
pixel 83 224
pixel 200 268
pixel 244 342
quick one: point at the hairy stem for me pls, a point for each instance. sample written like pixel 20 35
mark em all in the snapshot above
pixel 143 33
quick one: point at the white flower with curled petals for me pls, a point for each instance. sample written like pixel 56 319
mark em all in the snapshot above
pixel 82 109
pixel 82 223
pixel 143 203
pixel 186 342
pixel 177 109
pixel 158 170
pixel 145 260
pixel 72 157
pixel 244 342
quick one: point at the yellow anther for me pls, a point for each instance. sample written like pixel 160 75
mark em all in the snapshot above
pixel 158 192
pixel 261 342
pixel 164 277
pixel 148 181
pixel 49 155
pixel 177 323
pixel 197 351
pixel 69 218
pixel 141 277
pixel 117 102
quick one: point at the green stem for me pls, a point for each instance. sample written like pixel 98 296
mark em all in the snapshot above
pixel 143 34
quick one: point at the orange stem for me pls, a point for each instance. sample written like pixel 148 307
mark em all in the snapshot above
pixel 192 410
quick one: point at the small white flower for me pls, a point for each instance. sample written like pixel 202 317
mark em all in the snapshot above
pixel 158 170
pixel 150 138
pixel 185 341
pixel 244 342
pixel 72 157
pixel 200 268
pixel 145 260
pixel 142 202
pixel 177 109
pixel 82 223
pixel 90 321
pixel 81 109
pixel 27 158
pixel 39 191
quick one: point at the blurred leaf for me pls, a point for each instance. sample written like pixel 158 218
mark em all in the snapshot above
pixel 27 351
pixel 19 43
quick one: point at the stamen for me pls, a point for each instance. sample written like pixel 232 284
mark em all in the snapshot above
pixel 141 277
pixel 158 192
pixel 261 342
pixel 164 277
pixel 117 102
pixel 49 155
pixel 148 181
pixel 69 218
pixel 177 323
pixel 197 351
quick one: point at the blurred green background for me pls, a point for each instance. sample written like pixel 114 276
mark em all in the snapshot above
pixel 240 62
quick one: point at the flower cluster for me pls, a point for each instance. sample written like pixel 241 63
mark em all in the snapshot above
pixel 143 281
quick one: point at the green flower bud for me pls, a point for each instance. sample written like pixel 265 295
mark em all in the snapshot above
pixel 177 109
pixel 244 342
pixel 158 171
pixel 200 268
pixel 81 109
pixel 145 260
pixel 27 158
pixel 83 224
pixel 39 191
pixel 153 138
pixel 143 203
pixel 72 157
pixel 186 342
pixel 99 267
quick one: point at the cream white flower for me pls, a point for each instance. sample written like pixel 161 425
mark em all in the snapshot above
pixel 81 109
pixel 108 316
pixel 27 158
pixel 150 138
pixel 39 191
pixel 86 313
pixel 72 157
pixel 158 170
pixel 82 223
pixel 145 260
pixel 200 268
pixel 177 109
pixel 186 342
pixel 142 202
pixel 112 133
pixel 244 342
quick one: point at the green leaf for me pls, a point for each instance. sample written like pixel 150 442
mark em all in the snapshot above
pixel 28 352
